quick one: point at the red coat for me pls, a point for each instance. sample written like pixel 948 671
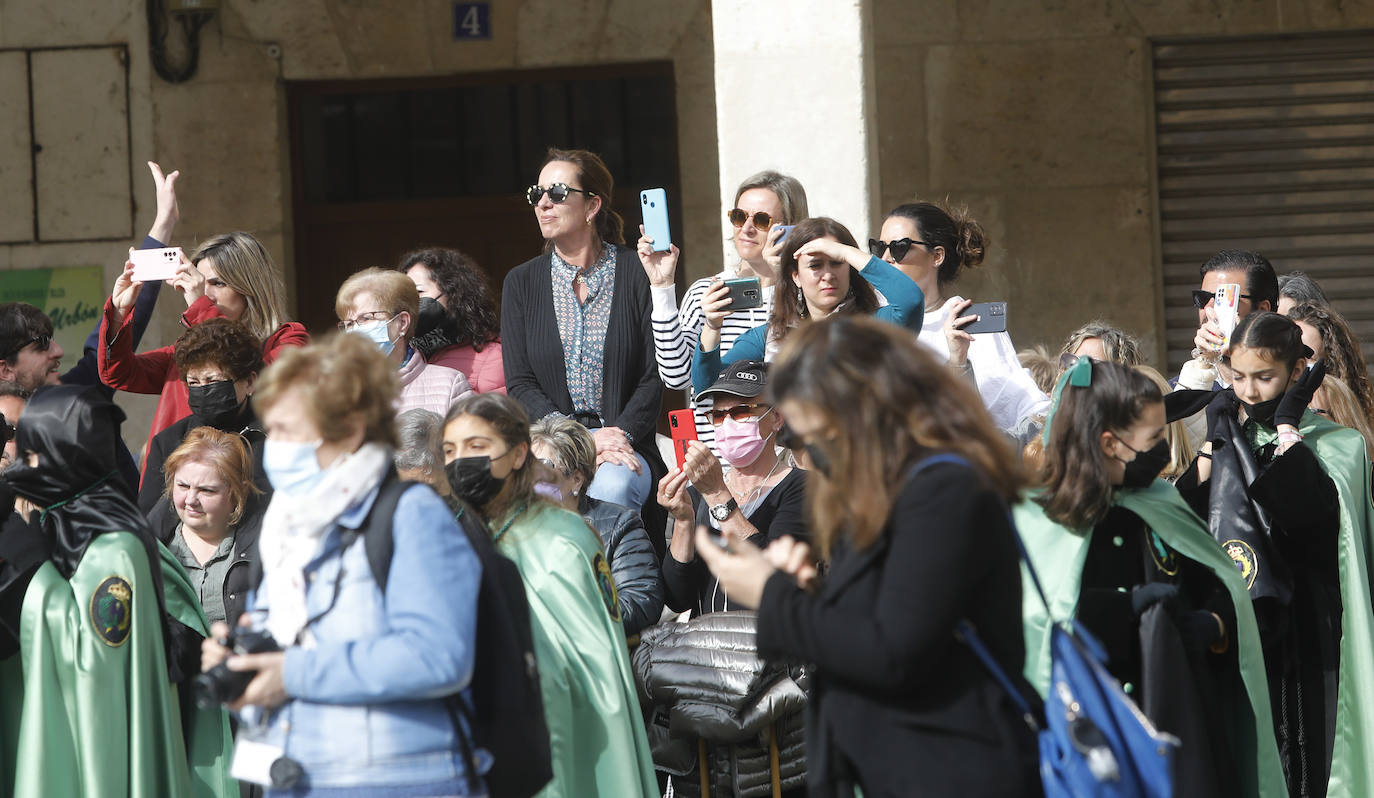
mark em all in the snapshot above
pixel 155 371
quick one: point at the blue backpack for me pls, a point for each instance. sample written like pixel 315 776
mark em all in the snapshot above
pixel 1094 742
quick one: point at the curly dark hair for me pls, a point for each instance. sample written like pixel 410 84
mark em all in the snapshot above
pixel 471 308
pixel 219 342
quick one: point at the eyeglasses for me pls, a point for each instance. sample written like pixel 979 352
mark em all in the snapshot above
pixel 899 247
pixel 738 413
pixel 558 192
pixel 347 325
pixel 738 217
pixel 1202 298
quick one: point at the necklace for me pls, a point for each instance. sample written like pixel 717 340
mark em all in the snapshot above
pixel 754 494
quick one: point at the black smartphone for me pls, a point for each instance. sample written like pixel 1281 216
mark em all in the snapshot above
pixel 992 318
pixel 745 293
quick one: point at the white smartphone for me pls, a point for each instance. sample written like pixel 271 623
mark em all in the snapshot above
pixel 1225 306
pixel 156 264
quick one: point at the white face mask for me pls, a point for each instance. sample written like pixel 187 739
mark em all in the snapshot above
pixel 293 467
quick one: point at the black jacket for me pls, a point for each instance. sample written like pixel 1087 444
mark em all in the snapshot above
pixel 242 575
pixel 150 491
pixel 634 565
pixel 532 350
pixel 899 705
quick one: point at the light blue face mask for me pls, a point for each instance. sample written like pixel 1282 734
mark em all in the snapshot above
pixel 292 466
pixel 379 333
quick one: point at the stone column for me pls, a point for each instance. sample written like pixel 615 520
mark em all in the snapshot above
pixel 794 92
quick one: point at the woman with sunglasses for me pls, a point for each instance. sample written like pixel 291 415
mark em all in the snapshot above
pixel 935 246
pixel 764 204
pixel 576 339
pixel 230 276
pixel 760 498
pixel 898 705
pixel 823 272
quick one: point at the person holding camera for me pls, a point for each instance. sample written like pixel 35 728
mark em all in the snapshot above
pixel 99 627
pixel 355 699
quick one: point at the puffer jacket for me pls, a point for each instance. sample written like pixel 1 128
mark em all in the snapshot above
pixel 634 564
pixel 429 386
pixel 705 682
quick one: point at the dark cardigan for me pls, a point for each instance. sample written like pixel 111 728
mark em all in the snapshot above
pixel 532 347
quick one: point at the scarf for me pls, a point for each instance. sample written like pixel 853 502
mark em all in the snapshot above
pixel 294 526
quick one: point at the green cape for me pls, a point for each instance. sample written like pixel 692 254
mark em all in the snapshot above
pixel 1058 554
pixel 596 731
pixel 96 716
pixel 1341 452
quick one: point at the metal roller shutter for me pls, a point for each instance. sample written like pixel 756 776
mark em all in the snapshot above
pixel 1267 144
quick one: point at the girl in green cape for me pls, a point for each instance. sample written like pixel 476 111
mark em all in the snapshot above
pixel 1118 548
pixel 596 734
pixel 1286 493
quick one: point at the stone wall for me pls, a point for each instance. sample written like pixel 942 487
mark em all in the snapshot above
pixel 1037 115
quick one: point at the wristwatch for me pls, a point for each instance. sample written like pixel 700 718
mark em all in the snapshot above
pixel 720 512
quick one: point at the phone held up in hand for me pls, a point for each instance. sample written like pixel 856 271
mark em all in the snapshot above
pixel 745 293
pixel 1226 307
pixel 992 318
pixel 683 426
pixel 156 264
pixel 653 203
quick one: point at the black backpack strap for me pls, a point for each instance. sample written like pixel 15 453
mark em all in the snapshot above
pixel 378 539
pixel 458 708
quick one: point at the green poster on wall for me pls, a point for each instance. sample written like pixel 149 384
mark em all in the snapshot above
pixel 72 297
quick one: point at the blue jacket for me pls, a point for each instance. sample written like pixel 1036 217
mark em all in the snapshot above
pixel 367 710
pixel 905 301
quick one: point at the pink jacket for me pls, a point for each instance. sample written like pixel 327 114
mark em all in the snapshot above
pixel 485 370
pixel 430 386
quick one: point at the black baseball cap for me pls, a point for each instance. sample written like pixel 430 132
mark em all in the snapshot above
pixel 745 379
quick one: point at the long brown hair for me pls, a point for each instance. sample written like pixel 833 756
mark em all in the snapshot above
pixel 1342 351
pixel 510 421
pixel 886 401
pixel 788 310
pixel 597 179
pixel 1078 492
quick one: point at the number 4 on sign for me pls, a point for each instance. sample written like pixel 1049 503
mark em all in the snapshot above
pixel 471 21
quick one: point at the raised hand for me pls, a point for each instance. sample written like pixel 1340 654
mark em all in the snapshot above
pixel 189 281
pixel 1296 399
pixel 168 212
pixel 659 266
pixel 125 291
pixel 955 337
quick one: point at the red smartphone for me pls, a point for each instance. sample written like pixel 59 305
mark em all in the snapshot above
pixel 683 425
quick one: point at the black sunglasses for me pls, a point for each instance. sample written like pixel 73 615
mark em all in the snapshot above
pixel 899 247
pixel 41 342
pixel 738 217
pixel 1202 298
pixel 558 192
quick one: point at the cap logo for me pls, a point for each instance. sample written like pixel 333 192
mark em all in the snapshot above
pixel 745 375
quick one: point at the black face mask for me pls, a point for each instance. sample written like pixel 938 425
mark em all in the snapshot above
pixel 1263 412
pixel 431 316
pixel 1145 468
pixel 215 403
pixel 819 459
pixel 471 480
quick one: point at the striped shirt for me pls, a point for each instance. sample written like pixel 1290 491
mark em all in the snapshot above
pixel 676 331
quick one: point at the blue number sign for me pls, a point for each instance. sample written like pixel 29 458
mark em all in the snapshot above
pixel 471 21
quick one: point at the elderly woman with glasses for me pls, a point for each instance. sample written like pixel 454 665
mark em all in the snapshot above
pixel 383 306
pixel 760 498
pixel 765 206
pixel 568 451
pixel 575 331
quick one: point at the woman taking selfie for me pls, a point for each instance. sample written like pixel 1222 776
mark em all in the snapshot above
pixel 900 706
pixel 596 735
pixel 230 276
pixel 823 272
pixel 1286 492
pixel 934 246
pixel 764 203
pixel 1119 550
pixel 575 330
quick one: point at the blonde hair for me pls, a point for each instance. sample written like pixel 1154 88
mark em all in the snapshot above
pixel 243 263
pixel 1043 368
pixel 394 291
pixel 574 449
pixel 1176 433
pixel 1343 407
pixel 344 379
pixel 226 453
